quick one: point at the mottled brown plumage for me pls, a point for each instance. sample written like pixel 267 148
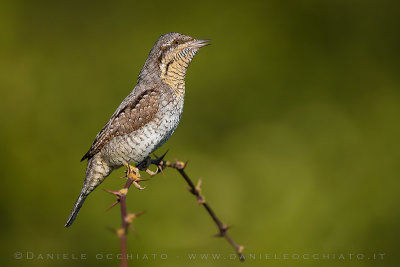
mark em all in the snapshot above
pixel 148 115
pixel 132 117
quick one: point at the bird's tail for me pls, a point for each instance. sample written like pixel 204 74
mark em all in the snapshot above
pixel 97 170
pixel 76 208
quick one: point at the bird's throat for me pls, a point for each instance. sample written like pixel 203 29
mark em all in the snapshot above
pixel 173 73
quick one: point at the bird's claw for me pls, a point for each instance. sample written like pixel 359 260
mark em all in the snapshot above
pixel 134 172
pixel 151 172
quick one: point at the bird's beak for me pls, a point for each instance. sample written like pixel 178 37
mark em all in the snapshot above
pixel 197 43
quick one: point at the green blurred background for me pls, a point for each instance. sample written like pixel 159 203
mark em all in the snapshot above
pixel 291 119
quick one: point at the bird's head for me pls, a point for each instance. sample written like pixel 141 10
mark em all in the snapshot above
pixel 172 54
pixel 175 46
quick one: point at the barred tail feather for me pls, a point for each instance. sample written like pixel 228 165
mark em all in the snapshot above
pixel 76 208
pixel 97 170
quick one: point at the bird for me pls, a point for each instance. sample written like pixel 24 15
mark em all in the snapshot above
pixel 146 118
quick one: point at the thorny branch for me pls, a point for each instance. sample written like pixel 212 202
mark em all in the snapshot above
pixel 196 190
pixel 133 177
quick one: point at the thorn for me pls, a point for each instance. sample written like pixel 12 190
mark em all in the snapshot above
pixel 225 227
pixel 222 230
pixel 161 169
pixel 131 216
pixel 119 194
pixel 200 200
pixel 138 214
pixel 112 205
pixel 198 186
pixel 116 193
pixel 218 235
pixel 191 190
pixel 186 163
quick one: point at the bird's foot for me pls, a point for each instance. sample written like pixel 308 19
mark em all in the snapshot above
pixel 133 173
pixel 145 164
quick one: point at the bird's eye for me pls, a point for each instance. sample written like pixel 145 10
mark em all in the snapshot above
pixel 176 42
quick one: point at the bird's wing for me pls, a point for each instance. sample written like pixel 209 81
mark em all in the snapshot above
pixel 134 112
